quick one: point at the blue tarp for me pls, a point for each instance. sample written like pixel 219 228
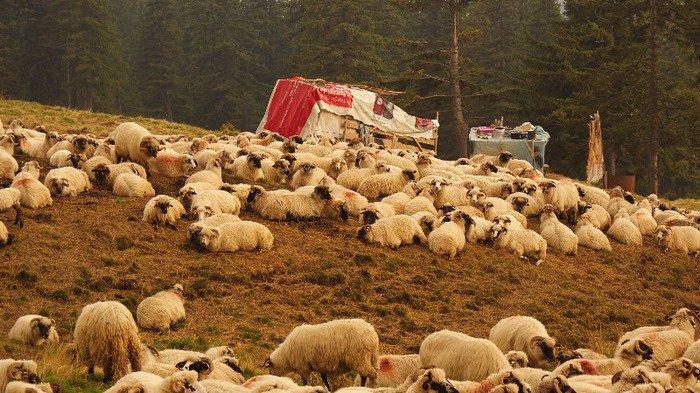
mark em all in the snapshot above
pixel 522 149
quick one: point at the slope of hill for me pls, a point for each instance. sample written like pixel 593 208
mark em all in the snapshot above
pixel 95 247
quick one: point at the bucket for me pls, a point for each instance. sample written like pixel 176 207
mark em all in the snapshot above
pixel 626 182
pixel 498 132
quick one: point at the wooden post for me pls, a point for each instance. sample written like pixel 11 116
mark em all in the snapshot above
pixel 596 162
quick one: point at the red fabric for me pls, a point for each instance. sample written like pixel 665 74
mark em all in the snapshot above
pixel 293 101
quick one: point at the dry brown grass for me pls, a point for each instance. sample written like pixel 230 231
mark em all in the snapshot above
pixel 94 247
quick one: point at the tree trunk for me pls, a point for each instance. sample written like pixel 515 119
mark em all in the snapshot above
pixel 69 102
pixel 653 102
pixel 460 133
pixel 168 108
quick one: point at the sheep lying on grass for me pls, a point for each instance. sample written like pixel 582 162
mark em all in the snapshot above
pixel 34 330
pixel 527 334
pixel 67 181
pixel 17 370
pixel 163 210
pixel 681 238
pixel 523 243
pixel 162 310
pixel 393 232
pixel 234 236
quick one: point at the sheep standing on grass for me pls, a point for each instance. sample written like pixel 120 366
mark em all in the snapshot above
pixel 563 196
pixel 234 236
pixel 523 243
pixel 681 238
pixel 162 310
pixel 34 330
pixel 527 334
pixel 163 210
pixel 329 348
pixel 133 142
pixel 106 336
pixel 10 199
pixel 463 358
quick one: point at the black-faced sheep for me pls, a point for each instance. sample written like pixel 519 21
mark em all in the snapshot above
pixel 34 330
pixel 563 196
pixel 135 143
pixel 106 336
pixel 523 243
pixel 394 231
pixel 212 221
pixel 17 370
pixel 234 236
pixel 63 158
pixel 374 211
pixel 162 310
pixel 67 181
pixel 163 210
pixel 527 334
pixel 329 348
pixel 248 167
pixel 598 216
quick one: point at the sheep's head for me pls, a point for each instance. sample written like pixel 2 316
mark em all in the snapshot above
pixel 149 146
pixel 42 326
pixel 101 171
pixel 629 197
pixel 52 138
pixel 77 160
pixel 188 163
pixel 198 144
pixel 634 350
pixel 681 368
pixel 423 159
pixel 581 192
pixel 255 192
pixel 504 157
pixel 546 345
pixel 463 161
pixel 203 366
pixel 546 209
pixel 446 209
pixel 338 164
pixel 461 217
pixel 204 211
pixel 183 382
pixel 209 236
pixel 583 207
pixel 617 192
pixel 283 166
pixel 307 167
pixel 254 160
pixel 554 384
pixel 80 143
pixel 289 146
pixel 342 209
pixel 58 185
pixel 547 186
pixel 163 206
pixel 410 174
pixel 23 370
pixel 519 203
pixel 363 231
pixel 497 231
pixel 322 192
pixel 433 380
pixel 488 167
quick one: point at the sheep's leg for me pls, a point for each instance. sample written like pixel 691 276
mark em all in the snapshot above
pixel 363 380
pixel 324 377
pixel 91 369
pixel 171 226
pixel 18 217
pixel 109 372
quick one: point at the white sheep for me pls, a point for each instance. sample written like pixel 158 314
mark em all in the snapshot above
pixel 97 168
pixel 67 181
pixel 163 210
pixel 10 198
pixel 188 191
pixel 329 348
pixel 112 171
pixel 212 221
pixel 209 202
pixel 38 150
pixel 394 231
pixel 454 195
pixel 226 368
pixel 352 178
pixel 5 237
pixel 523 243
pixel 450 238
pixel 248 167
pixel 527 334
pixel 394 369
pixel 629 353
pixel 294 206
pixel 17 370
pixel 25 387
pixel 479 230
pixel 234 236
pixel 162 310
pixel 211 174
pixel 524 204
pixel 374 211
pixel 563 196
pixel 674 319
pixel 131 185
pixel 558 236
pixel 170 163
pixel 142 382
pixel 8 164
pixel 423 202
pixel 597 214
pixel 643 218
pixel 225 155
pixel 64 158
pixel 381 185
pixel 34 330
pixel 590 236
pixel 354 202
pixel 135 143
pixel 593 195
pixel 624 231
pixel 307 174
pixel 276 171
pixel 670 343
pixel 78 144
pixel 463 358
pixel 106 336
pixel 680 238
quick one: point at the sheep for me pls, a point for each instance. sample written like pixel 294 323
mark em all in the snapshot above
pixel 563 196
pixel 209 202
pixel 630 352
pixel 67 181
pixel 643 219
pixel 527 334
pixel 593 195
pixel 517 359
pixel 398 200
pixel 557 235
pixel 507 221
pixel 393 232
pixel 97 168
pixel 131 185
pixel 225 155
pixel 213 221
pixel 10 198
pixel 38 150
pixel 142 382
pixel 352 178
pixel 590 236
pixel 210 174
pixel 450 194
pixel 681 238
pixel 174 356
pixel 276 171
pixel 329 348
pixel 450 237
pixel 34 330
pixel 292 207
pixel 105 150
pixel 163 210
pixel 491 213
pixel 624 231
pixel 354 202
pixel 106 336
pixel 618 200
pixel 248 167
pixel 682 372
pixel 135 143
pixel 523 243
pixel 170 163
pixel 257 197
pixel 599 217
pixel 63 158
pixel 188 191
pixel 524 204
pixel 394 369
pixel 78 144
pixel 8 164
pixel 479 230
pixel 234 236
pixel 423 202
pixel 162 310
pixel 670 343
pixel 693 352
pixel 226 368
pixel 5 237
pixel 506 160
pixel 111 172
pixel 308 174
pixel 24 387
pixel 337 166
pixel 463 358
pixel 219 386
pixel 17 370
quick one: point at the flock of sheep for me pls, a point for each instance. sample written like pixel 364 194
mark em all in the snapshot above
pixel 399 197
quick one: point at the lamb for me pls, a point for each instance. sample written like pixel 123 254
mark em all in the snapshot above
pixel 276 171
pixel 248 167
pixel 17 370
pixel 131 185
pixel 527 334
pixel 308 174
pixel 590 236
pixel 630 352
pixel 450 239
pixel 135 143
pixel 523 243
pixel 423 202
pixel 463 358
pixel 286 207
pixel 211 174
pixel 5 237
pixel 63 158
pixel 34 330
pixel 557 235
pixel 624 231
pixel 163 210
pixel 67 181
pixel 563 196
pixel 681 238
pixel 394 369
pixel 329 348
pixel 106 336
pixel 170 163
pixel 209 202
pixel 142 382
pixel 394 231
pixel 599 217
pixel 162 310
pixel 234 236
pixel 10 198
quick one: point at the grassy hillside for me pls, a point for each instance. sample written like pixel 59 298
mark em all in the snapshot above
pixel 94 247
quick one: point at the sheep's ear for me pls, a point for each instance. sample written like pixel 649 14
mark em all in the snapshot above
pixel 616 377
pixel 537 340
pixel 53 322
pixel 34 322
